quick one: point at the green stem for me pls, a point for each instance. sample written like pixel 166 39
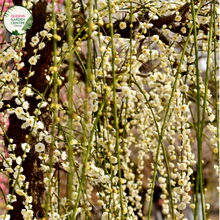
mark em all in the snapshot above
pixel 70 94
pixel 54 101
pixel 115 108
pixel 215 72
pixel 203 117
pixel 199 129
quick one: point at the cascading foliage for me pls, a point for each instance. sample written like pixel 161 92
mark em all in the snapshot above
pixel 100 100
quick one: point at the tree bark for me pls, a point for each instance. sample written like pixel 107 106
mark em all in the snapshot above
pixel 31 164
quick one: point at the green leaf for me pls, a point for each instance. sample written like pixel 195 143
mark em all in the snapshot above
pixel 28 24
pixel 15 32
pixel 9 10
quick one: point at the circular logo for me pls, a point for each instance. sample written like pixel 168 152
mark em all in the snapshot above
pixel 18 20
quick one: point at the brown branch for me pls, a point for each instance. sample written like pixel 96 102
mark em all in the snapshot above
pixel 31 164
pixel 158 23
pixel 1 165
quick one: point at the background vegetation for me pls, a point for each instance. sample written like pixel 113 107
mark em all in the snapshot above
pixel 104 101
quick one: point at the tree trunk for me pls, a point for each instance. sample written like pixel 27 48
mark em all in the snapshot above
pixel 31 163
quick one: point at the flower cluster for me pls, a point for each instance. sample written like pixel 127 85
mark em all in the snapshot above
pixel 109 108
